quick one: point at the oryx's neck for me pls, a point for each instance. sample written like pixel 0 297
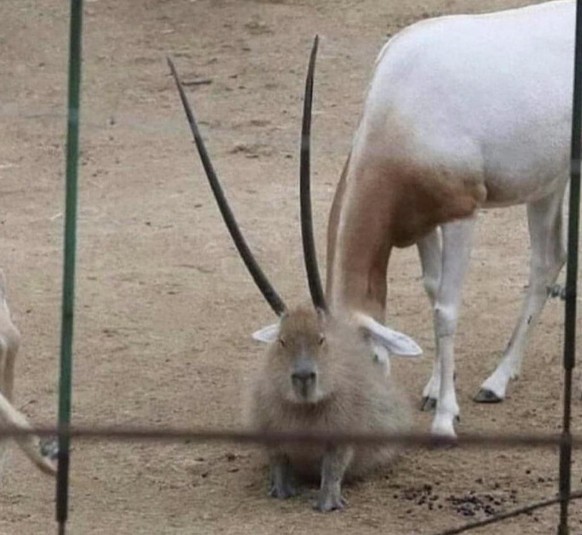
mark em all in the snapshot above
pixel 381 204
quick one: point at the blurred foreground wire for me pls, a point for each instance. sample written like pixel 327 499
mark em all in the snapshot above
pixel 420 440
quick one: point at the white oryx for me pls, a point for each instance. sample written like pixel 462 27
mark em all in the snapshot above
pixel 9 416
pixel 463 112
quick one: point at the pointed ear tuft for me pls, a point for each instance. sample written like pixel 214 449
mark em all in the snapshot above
pixel 395 342
pixel 267 334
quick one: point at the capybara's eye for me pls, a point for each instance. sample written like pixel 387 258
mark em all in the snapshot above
pixel 321 340
pixel 282 342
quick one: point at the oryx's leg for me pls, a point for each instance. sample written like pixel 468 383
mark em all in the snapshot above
pixel 430 252
pixel 6 387
pixel 548 254
pixel 7 384
pixel 457 242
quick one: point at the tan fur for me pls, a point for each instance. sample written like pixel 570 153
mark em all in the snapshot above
pixel 381 204
pixel 333 221
pixel 355 394
pixel 9 416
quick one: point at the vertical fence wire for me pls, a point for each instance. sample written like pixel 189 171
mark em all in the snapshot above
pixel 571 278
pixel 66 360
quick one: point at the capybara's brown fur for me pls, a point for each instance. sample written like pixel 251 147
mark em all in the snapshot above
pixel 320 375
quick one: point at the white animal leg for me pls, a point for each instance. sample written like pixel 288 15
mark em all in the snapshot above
pixel 5 387
pixel 548 255
pixel 457 242
pixel 431 258
pixel 9 416
pixel 430 252
pixel 30 444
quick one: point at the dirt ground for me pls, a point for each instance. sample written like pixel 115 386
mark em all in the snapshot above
pixel 164 305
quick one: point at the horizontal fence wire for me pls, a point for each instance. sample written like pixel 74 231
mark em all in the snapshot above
pixel 420 440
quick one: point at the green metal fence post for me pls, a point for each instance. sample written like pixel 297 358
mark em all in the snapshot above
pixel 66 361
pixel 571 278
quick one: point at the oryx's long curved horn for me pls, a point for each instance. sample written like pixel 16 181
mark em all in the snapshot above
pixel 309 252
pixel 257 274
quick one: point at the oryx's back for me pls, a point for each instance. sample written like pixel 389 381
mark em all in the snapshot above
pixel 487 95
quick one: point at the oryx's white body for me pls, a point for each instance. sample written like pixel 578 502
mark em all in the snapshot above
pixel 9 416
pixel 463 112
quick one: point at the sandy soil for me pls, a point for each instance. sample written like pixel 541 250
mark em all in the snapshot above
pixel 165 307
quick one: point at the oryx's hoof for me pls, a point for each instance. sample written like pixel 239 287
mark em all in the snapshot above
pixel 428 404
pixel 443 442
pixel 487 396
pixel 49 448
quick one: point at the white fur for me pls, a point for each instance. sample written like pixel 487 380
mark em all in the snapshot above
pixel 396 343
pixel 9 416
pixel 267 334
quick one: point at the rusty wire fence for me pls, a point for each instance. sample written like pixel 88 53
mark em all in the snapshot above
pixel 407 440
